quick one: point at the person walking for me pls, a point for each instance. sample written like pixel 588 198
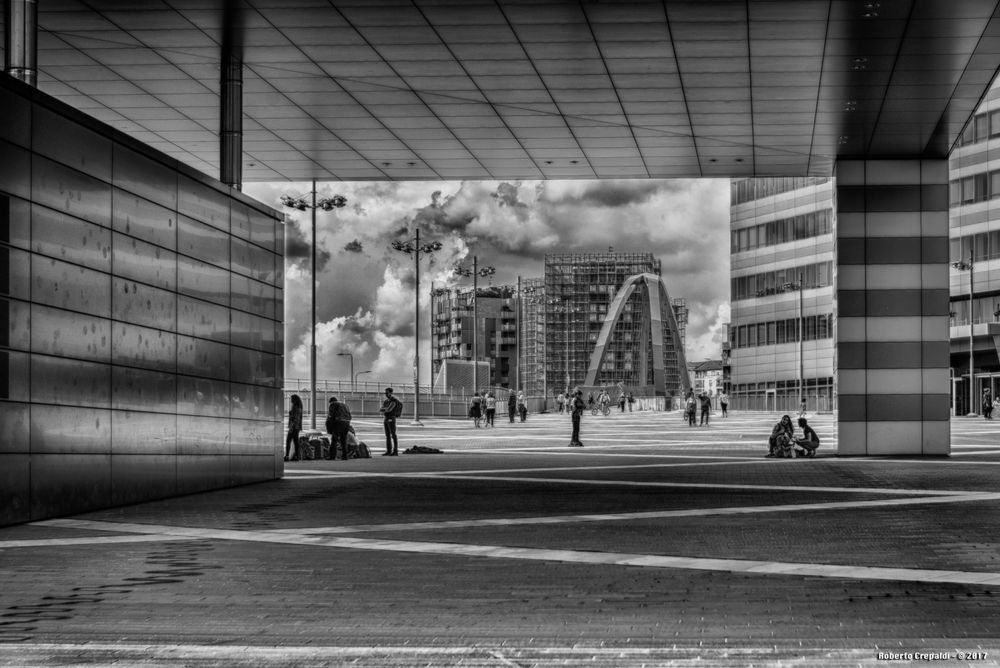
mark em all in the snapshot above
pixel 522 406
pixel 338 419
pixel 511 406
pixel 987 405
pixel 621 401
pixel 560 402
pixel 476 409
pixel 391 409
pixel 690 408
pixel 576 407
pixel 294 427
pixel 724 403
pixel 491 409
pixel 631 400
pixel 802 407
pixel 706 407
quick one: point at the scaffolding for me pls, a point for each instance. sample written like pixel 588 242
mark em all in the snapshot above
pixel 579 288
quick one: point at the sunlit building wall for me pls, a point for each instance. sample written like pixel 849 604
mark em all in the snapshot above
pixel 974 221
pixel 782 293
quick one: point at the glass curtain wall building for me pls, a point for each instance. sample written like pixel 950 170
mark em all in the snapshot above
pixel 579 288
pixel 974 221
pixel 781 334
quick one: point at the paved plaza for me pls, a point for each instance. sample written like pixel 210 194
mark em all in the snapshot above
pixel 655 544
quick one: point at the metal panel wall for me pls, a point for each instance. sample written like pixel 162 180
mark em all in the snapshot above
pixel 140 353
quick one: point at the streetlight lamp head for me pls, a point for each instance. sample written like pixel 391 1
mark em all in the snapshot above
pixel 331 203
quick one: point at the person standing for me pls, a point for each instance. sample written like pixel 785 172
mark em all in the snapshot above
pixel 576 407
pixel 391 409
pixel 724 403
pixel 631 400
pixel 802 407
pixel 491 409
pixel 690 408
pixel 621 401
pixel 560 402
pixel 338 419
pixel 987 405
pixel 706 407
pixel 511 405
pixel 294 427
pixel 522 406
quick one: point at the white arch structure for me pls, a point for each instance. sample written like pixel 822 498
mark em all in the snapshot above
pixel 658 319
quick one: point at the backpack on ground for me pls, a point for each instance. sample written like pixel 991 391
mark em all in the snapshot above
pixel 363 452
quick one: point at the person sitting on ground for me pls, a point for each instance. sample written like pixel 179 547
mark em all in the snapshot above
pixel 809 442
pixel 780 442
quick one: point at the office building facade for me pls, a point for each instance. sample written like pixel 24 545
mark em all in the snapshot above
pixel 781 334
pixel 494 341
pixel 974 224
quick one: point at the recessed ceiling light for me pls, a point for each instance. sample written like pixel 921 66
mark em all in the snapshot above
pixel 739 159
pixel 386 164
pixel 548 162
pixel 574 162
pixel 842 139
pixel 411 163
pixel 713 159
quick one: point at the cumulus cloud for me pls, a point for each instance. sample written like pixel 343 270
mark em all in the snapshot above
pixel 367 289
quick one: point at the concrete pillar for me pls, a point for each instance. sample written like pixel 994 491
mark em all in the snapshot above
pixel 892 307
pixel 21 46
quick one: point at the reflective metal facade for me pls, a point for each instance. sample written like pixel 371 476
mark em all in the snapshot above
pixel 141 306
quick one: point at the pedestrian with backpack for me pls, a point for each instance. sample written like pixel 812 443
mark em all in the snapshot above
pixel 391 409
pixel 338 421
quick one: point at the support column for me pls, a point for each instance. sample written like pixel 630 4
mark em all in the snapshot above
pixel 892 307
pixel 231 98
pixel 21 47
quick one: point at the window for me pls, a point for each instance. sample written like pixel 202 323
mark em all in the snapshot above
pixel 955 191
pixel 994 184
pixel 968 135
pixel 995 123
pixel 771 334
pixel 968 190
pixel 995 243
pixel 982 127
pixel 780 331
pixel 982 248
pixel 982 187
pixel 751 335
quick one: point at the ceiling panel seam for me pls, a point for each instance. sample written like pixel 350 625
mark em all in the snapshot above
pixel 552 99
pixel 604 63
pixel 892 72
pixel 680 77
pixel 316 120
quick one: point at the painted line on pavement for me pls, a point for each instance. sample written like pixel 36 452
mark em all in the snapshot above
pixel 643 515
pixel 849 572
pixel 103 540
pixel 651 483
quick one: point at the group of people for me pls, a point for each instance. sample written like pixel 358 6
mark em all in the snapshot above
pixel 483 408
pixel 784 443
pixel 692 402
pixel 343 439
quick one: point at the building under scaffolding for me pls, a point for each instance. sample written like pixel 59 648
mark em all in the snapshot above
pixel 578 290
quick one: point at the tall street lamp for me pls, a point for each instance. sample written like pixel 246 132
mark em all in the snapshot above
pixel 962 265
pixel 360 373
pixel 352 366
pixel 415 248
pixel 300 203
pixel 802 333
pixel 475 272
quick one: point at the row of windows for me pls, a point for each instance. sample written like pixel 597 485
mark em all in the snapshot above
pixel 982 246
pixel 986 309
pixel 782 331
pixel 976 188
pixel 781 385
pixel 775 282
pixel 781 231
pixel 981 128
pixel 747 190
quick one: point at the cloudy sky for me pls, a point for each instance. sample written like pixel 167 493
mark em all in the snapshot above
pixel 365 290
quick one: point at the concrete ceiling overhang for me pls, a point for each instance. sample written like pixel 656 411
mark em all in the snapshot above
pixel 546 89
